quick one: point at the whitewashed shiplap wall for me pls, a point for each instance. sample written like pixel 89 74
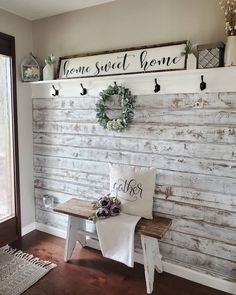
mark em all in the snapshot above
pixel 189 138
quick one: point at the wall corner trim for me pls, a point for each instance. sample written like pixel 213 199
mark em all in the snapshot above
pixel 50 230
pixel 28 228
pixel 169 267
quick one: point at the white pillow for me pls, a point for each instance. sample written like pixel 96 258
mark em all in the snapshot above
pixel 134 186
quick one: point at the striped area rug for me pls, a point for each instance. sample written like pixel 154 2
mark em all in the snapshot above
pixel 19 270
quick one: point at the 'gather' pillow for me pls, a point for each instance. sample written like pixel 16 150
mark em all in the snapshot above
pixel 134 186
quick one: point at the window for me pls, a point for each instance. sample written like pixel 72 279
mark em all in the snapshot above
pixel 10 226
pixel 6 153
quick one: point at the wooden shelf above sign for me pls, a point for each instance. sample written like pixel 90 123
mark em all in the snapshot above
pixel 183 81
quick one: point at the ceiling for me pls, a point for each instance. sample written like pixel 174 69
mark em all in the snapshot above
pixel 36 9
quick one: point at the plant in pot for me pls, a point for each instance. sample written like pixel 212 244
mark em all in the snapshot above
pixel 229 8
pixel 191 55
pixel 48 70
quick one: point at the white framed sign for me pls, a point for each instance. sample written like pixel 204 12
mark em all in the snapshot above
pixel 156 58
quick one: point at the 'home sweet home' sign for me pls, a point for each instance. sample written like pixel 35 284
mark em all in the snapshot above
pixel 140 60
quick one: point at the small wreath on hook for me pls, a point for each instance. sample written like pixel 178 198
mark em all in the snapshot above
pixel 127 101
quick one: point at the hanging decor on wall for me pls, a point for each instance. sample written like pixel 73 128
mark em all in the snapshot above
pixel 30 70
pixel 127 101
pixel 156 58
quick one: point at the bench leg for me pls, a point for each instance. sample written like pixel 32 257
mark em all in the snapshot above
pixel 152 260
pixel 73 236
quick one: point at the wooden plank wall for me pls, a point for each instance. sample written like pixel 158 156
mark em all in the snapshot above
pixel 189 138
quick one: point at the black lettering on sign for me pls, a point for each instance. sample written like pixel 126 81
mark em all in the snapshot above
pixel 71 71
pixel 128 61
pixel 125 64
pixel 176 59
pixel 66 64
pixel 97 72
pixel 148 64
pixel 106 67
pixel 131 187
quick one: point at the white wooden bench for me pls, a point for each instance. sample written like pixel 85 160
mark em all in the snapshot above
pixel 150 231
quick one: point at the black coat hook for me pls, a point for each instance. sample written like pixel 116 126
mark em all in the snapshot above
pixel 157 86
pixel 84 90
pixel 56 91
pixel 203 84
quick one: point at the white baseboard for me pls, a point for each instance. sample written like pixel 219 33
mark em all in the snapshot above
pixel 51 230
pixel 28 228
pixel 200 278
pixel 169 267
pixel 184 272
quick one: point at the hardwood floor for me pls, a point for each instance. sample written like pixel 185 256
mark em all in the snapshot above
pixel 88 273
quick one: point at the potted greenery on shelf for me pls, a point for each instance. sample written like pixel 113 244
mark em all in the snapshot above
pixel 191 56
pixel 48 70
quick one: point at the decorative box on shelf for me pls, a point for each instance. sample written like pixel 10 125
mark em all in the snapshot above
pixel 210 55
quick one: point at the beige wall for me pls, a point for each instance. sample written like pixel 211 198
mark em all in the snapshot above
pixel 126 23
pixel 21 29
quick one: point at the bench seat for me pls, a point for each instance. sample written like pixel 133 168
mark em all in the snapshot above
pixel 156 227
pixel 150 231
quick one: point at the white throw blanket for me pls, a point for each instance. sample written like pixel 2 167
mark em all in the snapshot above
pixel 116 237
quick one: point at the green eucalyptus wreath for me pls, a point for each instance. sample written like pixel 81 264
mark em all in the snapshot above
pixel 127 101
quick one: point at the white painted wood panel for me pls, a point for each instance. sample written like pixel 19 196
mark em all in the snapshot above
pixel 165 206
pixel 179 148
pixel 170 117
pixel 208 183
pixel 189 138
pixel 207 246
pixel 179 194
pixel 218 267
pixel 216 134
pixel 183 164
pixel 172 101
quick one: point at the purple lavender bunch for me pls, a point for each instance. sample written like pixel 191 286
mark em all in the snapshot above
pixel 102 213
pixel 115 210
pixel 105 207
pixel 105 202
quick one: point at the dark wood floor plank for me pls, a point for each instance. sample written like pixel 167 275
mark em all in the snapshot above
pixel 88 273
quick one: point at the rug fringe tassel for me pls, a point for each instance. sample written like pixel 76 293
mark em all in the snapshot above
pixel 28 257
pixel 8 249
